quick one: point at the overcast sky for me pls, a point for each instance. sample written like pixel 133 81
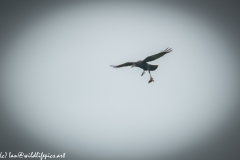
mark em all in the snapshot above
pixel 58 86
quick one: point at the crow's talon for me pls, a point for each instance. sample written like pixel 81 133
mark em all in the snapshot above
pixel 151 80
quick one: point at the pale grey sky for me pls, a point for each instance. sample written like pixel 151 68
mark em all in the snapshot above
pixel 61 89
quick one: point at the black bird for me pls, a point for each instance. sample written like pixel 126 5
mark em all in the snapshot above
pixel 144 65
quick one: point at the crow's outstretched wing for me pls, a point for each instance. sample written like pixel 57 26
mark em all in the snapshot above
pixel 123 65
pixel 158 55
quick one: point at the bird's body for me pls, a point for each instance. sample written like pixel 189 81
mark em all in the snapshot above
pixel 143 63
pixel 145 66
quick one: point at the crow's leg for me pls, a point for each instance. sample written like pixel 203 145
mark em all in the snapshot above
pixel 151 79
pixel 143 73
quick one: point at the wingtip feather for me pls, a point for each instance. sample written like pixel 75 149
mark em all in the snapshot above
pixel 168 50
pixel 113 66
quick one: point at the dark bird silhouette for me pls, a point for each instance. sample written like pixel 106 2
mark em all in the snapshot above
pixel 143 63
